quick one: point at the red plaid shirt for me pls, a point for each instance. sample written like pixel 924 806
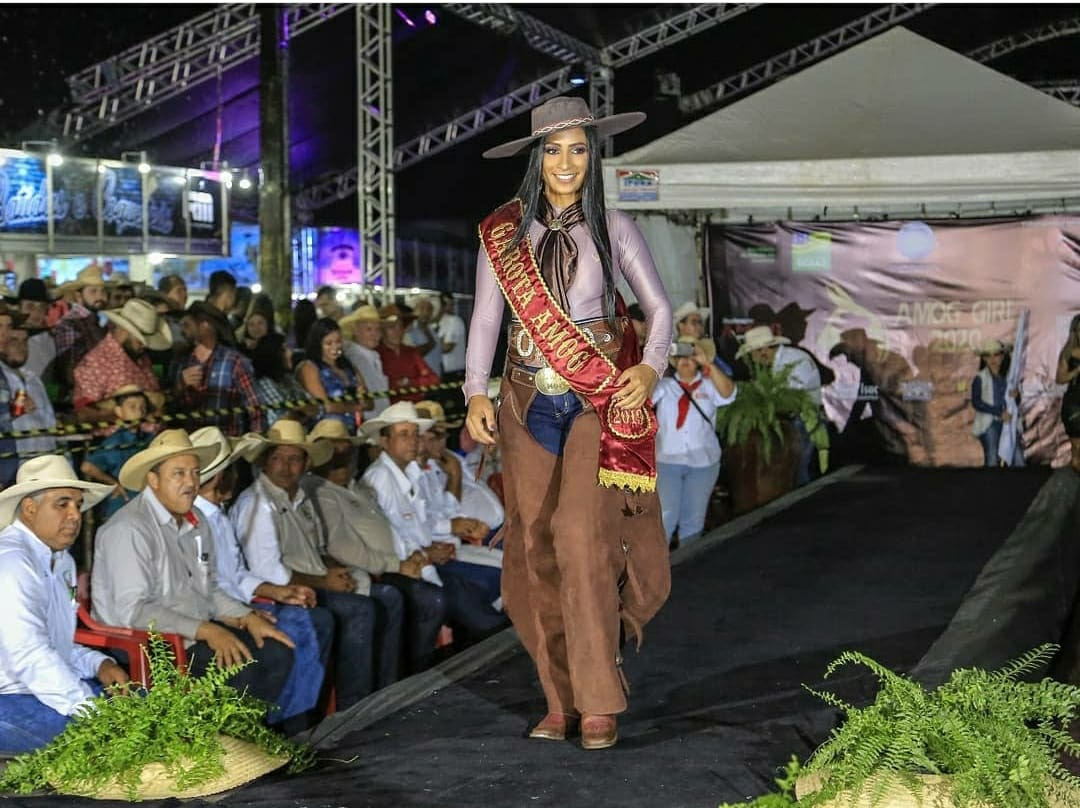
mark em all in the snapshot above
pixel 107 367
pixel 76 333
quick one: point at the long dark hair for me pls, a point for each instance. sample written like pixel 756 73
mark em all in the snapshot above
pixel 592 205
pixel 320 329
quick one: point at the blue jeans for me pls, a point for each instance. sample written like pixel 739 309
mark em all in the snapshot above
pixel 26 723
pixel 990 440
pixel 550 417
pixel 806 452
pixel 684 497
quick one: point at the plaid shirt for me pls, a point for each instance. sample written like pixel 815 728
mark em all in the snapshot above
pixel 228 381
pixel 77 333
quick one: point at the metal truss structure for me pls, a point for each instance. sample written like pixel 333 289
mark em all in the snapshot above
pixel 602 101
pixel 801 55
pixel 1067 91
pixel 375 143
pixel 171 63
pixel 508 20
pixel 653 38
pixel 1035 36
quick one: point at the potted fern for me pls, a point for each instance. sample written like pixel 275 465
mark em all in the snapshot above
pixel 761 443
pixel 185 737
pixel 984 739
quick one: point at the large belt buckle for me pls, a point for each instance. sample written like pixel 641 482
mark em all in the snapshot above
pixel 550 383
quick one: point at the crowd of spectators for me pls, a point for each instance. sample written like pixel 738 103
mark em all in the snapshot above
pixel 301 496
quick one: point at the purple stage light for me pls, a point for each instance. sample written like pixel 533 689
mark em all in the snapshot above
pixel 405 17
pixel 429 15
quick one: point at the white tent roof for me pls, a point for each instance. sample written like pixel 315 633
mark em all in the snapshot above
pixel 894 121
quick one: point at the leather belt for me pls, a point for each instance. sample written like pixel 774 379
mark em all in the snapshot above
pixel 544 379
pixel 520 347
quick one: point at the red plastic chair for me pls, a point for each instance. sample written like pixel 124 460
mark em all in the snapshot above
pixel 131 641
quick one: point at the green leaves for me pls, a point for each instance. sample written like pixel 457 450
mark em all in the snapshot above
pixel 176 723
pixel 999 739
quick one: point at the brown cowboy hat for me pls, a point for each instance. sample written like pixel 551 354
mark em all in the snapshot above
pixel 566 112
pixel 154 400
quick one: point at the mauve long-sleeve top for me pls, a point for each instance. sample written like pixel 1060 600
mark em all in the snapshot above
pixel 630 257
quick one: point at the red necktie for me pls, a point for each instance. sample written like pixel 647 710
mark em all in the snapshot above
pixel 684 402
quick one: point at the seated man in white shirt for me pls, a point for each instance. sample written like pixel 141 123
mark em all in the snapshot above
pixel 45 678
pixel 285 543
pixel 362 327
pixel 359 535
pixel 154 566
pixel 295 613
pixel 397 480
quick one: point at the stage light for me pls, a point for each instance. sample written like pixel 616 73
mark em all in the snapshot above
pixel 405 17
pixel 155 259
pixel 578 75
pixel 429 15
pixel 226 177
pixel 245 182
pixel 56 159
pixel 144 167
pixel 256 288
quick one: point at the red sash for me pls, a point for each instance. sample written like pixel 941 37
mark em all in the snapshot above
pixel 627 437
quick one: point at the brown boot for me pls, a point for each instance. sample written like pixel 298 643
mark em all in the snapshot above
pixel 554 727
pixel 598 731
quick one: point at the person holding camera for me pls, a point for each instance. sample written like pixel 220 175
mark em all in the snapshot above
pixel 687 449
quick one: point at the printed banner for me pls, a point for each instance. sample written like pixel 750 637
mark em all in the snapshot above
pixel 75 198
pixel 24 195
pixel 122 201
pixel 893 313
pixel 165 203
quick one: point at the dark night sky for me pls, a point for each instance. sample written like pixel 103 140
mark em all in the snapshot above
pixel 440 71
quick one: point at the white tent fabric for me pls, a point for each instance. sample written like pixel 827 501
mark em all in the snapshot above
pixel 892 124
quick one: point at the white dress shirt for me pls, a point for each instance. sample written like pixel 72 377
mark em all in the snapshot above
pixel 804 372
pixel 253 518
pixel 442 507
pixel 368 364
pixel 480 502
pixel 399 496
pixel 695 444
pixel 38 653
pixel 233 575
pixel 42 416
pixel 451 328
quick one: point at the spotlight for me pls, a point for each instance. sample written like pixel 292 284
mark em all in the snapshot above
pixel 256 288
pixel 226 177
pixel 405 17
pixel 430 17
pixel 144 167
pixel 155 259
pixel 578 75
pixel 55 159
pixel 245 182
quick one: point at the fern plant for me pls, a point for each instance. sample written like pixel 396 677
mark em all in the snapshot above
pixel 762 404
pixel 997 737
pixel 176 723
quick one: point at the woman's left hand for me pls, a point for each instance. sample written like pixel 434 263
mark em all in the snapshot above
pixel 635 386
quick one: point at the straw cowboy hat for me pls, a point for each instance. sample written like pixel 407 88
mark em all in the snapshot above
pixel 154 399
pixel 434 410
pixel 141 320
pixel 364 314
pixel 287 432
pixel 566 112
pixel 686 309
pixel 229 450
pixel 404 412
pixel 88 276
pixel 329 429
pixel 170 443
pixel 707 346
pixel 42 473
pixel 990 347
pixel 760 336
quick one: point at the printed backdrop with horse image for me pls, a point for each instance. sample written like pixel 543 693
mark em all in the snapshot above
pixel 896 314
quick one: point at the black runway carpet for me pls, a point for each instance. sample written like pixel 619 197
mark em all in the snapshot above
pixel 879 563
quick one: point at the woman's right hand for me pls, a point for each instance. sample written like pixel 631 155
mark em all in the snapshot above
pixel 480 420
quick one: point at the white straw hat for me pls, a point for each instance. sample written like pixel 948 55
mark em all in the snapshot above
pixel 42 473
pixel 760 336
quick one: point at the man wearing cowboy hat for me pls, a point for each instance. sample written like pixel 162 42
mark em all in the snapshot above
pixel 293 607
pixel 216 376
pixel 402 364
pixel 360 537
pixel 362 333
pixel 398 483
pixel 79 330
pixel 285 543
pixel 775 352
pixel 34 303
pixel 30 405
pixel 154 566
pixel 45 677
pixel 121 357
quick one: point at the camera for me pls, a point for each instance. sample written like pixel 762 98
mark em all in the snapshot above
pixel 682 349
